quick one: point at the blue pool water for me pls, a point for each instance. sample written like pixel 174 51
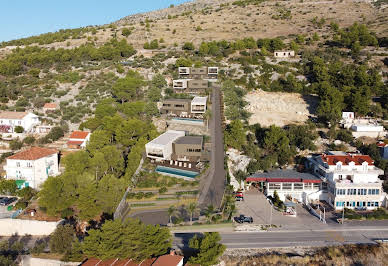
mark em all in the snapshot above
pixel 188 119
pixel 177 172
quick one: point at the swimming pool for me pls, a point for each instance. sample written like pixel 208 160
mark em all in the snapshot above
pixel 175 172
pixel 187 119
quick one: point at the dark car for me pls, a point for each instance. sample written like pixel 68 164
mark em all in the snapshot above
pixel 7 201
pixel 243 219
pixel 239 198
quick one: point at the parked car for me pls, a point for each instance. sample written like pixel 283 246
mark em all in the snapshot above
pixel 7 201
pixel 243 219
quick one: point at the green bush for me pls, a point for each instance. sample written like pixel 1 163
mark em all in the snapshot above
pixel 163 190
pixel 19 129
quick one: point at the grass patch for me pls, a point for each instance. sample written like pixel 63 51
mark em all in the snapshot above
pixel 143 204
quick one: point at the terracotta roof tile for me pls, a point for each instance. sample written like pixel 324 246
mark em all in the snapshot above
pixel 12 115
pixel 74 142
pixel 108 262
pixel 147 262
pixel 79 135
pixel 50 105
pixel 167 260
pixel 91 262
pixel 33 153
pixel 346 159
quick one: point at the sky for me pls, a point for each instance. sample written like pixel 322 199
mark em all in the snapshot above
pixel 23 18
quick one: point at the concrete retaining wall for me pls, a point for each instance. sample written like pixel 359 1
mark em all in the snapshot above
pixel 9 227
pixel 30 261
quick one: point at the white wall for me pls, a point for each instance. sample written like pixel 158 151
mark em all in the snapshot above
pixel 9 227
pixel 27 260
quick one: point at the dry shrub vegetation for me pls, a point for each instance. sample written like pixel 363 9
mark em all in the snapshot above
pixel 335 255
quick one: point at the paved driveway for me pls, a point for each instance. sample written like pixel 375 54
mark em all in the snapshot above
pixel 256 205
pixel 212 184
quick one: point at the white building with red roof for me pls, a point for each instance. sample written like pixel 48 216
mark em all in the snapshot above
pixel 50 107
pixel 31 167
pixel 78 139
pixel 351 180
pixel 10 120
pixel 383 145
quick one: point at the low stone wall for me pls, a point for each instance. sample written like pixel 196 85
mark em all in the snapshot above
pixel 9 227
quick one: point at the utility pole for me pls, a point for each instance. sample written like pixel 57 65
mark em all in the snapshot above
pixel 270 217
pixel 343 212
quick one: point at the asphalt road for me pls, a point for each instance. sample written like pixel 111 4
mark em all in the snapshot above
pixel 213 184
pixel 301 238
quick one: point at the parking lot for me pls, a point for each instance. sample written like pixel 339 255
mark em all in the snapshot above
pixel 256 205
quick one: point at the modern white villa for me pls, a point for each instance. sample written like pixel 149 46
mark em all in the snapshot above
pixel 160 148
pixel 31 167
pixel 362 126
pixel 10 120
pixel 351 180
pixel 198 105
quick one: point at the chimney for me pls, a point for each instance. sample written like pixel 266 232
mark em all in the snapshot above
pixel 172 252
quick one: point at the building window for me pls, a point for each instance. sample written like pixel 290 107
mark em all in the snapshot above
pixel 274 186
pixel 308 186
pixel 193 150
pixel 29 164
pixel 340 177
pixel 179 105
pixel 316 186
pixel 373 191
pixel 341 191
pixel 376 204
pixel 339 166
pixel 339 203
pixel 361 191
pixel 298 186
pixel 17 164
pixel 287 186
pixel 352 191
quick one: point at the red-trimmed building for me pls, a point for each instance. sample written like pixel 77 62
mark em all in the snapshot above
pixel 78 140
pixel 288 183
pixel 349 180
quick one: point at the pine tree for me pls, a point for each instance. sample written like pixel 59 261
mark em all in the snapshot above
pixel 208 249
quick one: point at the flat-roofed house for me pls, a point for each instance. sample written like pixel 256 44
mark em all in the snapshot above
pixel 303 187
pixel 31 167
pixel 198 105
pixel 10 120
pixel 350 179
pixel 198 72
pixel 78 139
pixel 284 54
pixel 190 85
pixel 160 148
pixel 187 148
pixel 179 107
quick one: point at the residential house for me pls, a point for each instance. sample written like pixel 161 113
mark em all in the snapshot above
pixel 303 187
pixel 362 126
pixel 383 145
pixel 187 149
pixel 50 107
pixel 160 148
pixel 190 85
pixel 198 105
pixel 178 107
pixel 184 107
pixel 284 54
pixel 350 180
pixel 209 73
pixel 31 167
pixel 78 140
pixel 10 120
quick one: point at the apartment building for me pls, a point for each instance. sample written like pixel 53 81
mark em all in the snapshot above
pixel 198 73
pixel 31 167
pixel 10 120
pixel 350 180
